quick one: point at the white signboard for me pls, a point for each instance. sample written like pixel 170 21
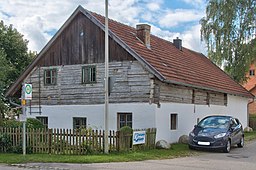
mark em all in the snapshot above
pixel 28 91
pixel 139 137
pixel 22 118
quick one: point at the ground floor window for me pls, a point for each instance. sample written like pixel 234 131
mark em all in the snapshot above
pixel 124 119
pixel 173 121
pixel 44 120
pixel 79 122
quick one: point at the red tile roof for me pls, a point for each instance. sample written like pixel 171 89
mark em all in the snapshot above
pixel 182 67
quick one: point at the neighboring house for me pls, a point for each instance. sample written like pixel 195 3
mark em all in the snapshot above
pixel 250 85
pixel 154 83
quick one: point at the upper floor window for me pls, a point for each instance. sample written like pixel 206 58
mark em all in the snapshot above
pixel 252 72
pixel 50 76
pixel 89 74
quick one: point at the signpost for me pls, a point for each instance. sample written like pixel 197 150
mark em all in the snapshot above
pixel 26 94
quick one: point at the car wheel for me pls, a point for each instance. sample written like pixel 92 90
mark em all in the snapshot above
pixel 241 143
pixel 227 147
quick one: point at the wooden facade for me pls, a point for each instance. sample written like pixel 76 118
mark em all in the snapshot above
pixel 130 83
pixel 82 42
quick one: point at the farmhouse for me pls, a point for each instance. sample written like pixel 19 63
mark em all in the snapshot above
pixel 153 82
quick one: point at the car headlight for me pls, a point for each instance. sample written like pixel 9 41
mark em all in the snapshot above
pixel 192 134
pixel 221 135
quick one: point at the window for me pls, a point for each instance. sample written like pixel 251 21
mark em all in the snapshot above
pixel 251 72
pixel 89 74
pixel 79 122
pixel 173 121
pixel 44 120
pixel 124 119
pixel 50 77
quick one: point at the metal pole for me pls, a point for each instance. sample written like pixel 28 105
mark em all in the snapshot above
pixel 23 104
pixel 106 79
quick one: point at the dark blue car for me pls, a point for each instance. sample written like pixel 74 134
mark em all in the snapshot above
pixel 217 132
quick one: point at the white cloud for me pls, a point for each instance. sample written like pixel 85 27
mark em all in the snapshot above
pixel 175 17
pixel 36 19
pixel 153 6
pixel 191 39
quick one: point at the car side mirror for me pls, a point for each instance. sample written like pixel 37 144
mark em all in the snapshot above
pixel 195 126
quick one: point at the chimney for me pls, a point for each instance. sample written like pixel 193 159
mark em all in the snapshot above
pixel 178 43
pixel 143 33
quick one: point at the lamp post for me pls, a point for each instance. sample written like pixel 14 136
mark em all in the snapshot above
pixel 106 80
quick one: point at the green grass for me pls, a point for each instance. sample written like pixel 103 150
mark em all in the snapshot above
pixel 248 136
pixel 177 150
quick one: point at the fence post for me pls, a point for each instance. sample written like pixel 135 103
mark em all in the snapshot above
pixel 49 141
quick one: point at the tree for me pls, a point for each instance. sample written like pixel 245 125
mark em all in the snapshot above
pixel 228 30
pixel 14 57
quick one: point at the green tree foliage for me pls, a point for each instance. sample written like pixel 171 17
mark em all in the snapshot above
pixel 14 57
pixel 228 32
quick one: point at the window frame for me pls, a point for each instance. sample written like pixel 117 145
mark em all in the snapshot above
pixel 91 74
pixel 82 119
pixel 173 125
pixel 51 77
pixel 251 72
pixel 126 121
pixel 42 119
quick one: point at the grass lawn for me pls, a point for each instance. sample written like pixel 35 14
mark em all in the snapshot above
pixel 177 150
pixel 250 136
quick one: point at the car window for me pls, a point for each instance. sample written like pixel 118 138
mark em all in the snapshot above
pixel 214 122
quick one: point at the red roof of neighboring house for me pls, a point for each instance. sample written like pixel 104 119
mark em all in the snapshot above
pixel 182 67
pixel 251 82
pixel 163 59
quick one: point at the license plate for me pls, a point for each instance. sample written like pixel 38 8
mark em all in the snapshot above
pixel 204 143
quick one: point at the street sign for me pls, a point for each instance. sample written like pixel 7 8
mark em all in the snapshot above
pixel 28 91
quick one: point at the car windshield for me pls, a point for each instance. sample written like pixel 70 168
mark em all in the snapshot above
pixel 214 122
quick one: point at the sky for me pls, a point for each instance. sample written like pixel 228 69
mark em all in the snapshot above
pixel 39 20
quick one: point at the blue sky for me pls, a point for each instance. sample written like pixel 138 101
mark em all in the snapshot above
pixel 38 20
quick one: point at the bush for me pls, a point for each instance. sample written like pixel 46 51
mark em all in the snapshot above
pixel 252 121
pixel 34 123
pixel 126 130
pixel 30 123
pixel 5 143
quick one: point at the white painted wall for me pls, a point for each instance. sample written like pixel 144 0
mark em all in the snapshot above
pixel 188 114
pixel 61 116
pixel 144 115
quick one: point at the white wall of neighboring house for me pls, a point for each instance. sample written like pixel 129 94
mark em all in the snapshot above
pixel 144 115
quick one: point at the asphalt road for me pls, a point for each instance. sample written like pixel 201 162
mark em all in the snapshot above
pixel 237 159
